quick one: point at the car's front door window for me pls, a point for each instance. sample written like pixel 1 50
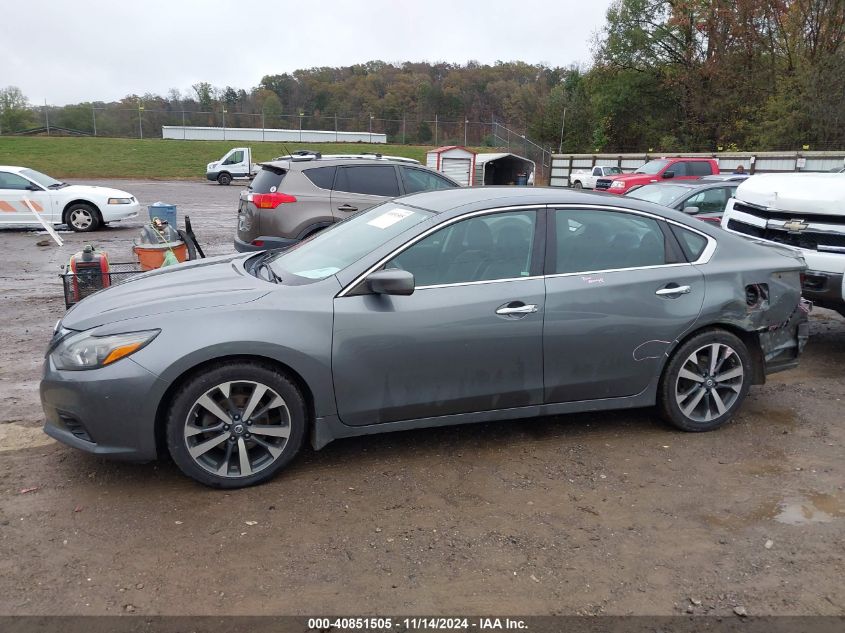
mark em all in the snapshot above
pixel 481 248
pixel 13 181
pixel 709 201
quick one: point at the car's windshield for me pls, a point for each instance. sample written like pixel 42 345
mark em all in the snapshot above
pixel 661 194
pixel 42 179
pixel 345 243
pixel 652 167
pixel 612 171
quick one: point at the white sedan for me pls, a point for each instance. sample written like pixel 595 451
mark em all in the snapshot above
pixel 83 208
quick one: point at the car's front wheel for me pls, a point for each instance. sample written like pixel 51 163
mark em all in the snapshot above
pixel 224 178
pixel 236 425
pixel 82 218
pixel 705 381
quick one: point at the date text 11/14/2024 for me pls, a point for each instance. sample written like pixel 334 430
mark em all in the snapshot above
pixel 416 624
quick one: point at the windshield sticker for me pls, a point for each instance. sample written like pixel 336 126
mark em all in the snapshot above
pixel 317 273
pixel 389 218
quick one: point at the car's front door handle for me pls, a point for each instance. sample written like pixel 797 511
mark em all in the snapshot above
pixel 516 308
pixel 347 207
pixel 673 291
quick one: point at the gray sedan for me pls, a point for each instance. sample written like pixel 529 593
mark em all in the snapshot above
pixel 705 199
pixel 438 308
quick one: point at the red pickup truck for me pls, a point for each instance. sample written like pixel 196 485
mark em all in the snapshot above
pixel 660 169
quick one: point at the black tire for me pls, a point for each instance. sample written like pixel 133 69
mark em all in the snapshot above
pixel 577 185
pixel 224 178
pixel 721 397
pixel 82 217
pixel 185 415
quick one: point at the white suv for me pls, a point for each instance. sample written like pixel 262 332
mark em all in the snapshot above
pixel 806 212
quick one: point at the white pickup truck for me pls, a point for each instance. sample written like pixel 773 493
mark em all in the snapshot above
pixel 235 164
pixel 806 212
pixel 586 178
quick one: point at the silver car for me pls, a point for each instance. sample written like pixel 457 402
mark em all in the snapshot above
pixel 439 308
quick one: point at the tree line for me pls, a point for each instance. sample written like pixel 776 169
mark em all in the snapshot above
pixel 665 75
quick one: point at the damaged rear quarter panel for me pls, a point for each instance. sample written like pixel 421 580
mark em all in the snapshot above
pixel 760 295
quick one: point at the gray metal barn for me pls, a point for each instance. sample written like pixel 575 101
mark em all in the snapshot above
pixel 503 168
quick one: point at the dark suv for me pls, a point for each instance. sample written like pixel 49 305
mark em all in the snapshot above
pixel 296 196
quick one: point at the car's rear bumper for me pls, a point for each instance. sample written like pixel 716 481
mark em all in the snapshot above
pixel 782 344
pixel 263 243
pixel 116 212
pixel 88 409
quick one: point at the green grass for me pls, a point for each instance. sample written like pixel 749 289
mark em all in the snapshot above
pixel 156 158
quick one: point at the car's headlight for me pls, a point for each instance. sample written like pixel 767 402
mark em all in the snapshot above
pixel 120 200
pixel 86 351
pixel 617 184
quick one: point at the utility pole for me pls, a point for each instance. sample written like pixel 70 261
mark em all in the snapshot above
pixel 224 123
pixel 94 118
pixel 184 131
pixel 435 128
pixel 371 129
pixel 301 114
pixel 335 127
pixel 466 123
pixel 262 124
pixel 140 124
pixel 403 128
pixel 562 125
pixel 47 116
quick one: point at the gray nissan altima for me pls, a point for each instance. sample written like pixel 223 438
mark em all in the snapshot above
pixel 438 308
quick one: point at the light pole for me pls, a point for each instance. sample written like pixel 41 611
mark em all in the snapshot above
pixel 94 117
pixel 466 123
pixel 562 124
pixel 224 124
pixel 301 114
pixel 371 129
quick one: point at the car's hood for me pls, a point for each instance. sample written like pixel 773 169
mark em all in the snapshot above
pixel 797 193
pixel 630 177
pixel 94 190
pixel 205 283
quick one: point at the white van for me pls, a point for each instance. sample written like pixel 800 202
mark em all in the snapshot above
pixel 806 212
pixel 235 164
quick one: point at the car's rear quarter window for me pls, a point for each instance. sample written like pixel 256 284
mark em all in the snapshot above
pixel 322 177
pixel 374 180
pixel 268 180
pixel 692 243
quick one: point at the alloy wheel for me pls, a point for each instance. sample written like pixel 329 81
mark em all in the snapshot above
pixel 709 382
pixel 81 219
pixel 237 428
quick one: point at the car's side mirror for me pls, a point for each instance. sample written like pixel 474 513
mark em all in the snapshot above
pixel 33 188
pixel 391 282
pixel 668 174
pixel 691 210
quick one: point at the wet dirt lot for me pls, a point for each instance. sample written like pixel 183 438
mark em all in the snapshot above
pixel 609 513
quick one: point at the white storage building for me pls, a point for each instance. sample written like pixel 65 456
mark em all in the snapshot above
pixel 454 161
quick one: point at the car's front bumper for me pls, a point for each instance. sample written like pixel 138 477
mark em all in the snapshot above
pixel 825 289
pixel 109 411
pixel 116 212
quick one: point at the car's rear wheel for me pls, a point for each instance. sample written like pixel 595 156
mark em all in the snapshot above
pixel 236 425
pixel 82 218
pixel 705 381
pixel 577 185
pixel 224 178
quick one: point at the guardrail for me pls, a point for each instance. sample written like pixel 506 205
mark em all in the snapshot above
pixel 753 162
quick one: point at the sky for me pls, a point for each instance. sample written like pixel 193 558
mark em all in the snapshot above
pixel 103 50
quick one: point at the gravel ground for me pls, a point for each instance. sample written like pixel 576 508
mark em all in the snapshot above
pixel 607 513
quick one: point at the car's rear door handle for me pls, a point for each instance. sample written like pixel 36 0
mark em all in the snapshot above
pixel 673 291
pixel 347 207
pixel 516 308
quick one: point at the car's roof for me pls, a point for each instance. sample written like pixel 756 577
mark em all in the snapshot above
pixel 12 168
pixel 468 199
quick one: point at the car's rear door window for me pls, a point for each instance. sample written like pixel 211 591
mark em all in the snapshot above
pixel 268 180
pixel 13 181
pixel 372 180
pixel 699 168
pixel 415 180
pixel 322 177
pixel 593 240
